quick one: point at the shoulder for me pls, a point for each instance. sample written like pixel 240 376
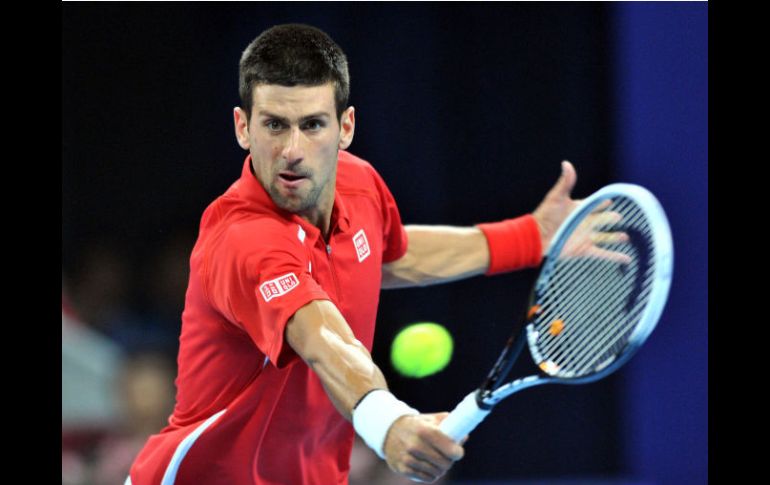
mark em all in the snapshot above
pixel 352 165
pixel 237 233
pixel 354 174
pixel 260 233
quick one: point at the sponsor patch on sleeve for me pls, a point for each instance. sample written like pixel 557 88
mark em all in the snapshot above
pixel 278 286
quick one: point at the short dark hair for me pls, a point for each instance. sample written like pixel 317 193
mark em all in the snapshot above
pixel 290 55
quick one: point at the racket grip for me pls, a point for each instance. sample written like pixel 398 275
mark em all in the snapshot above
pixel 464 418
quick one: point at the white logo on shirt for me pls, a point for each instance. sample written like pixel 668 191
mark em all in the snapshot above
pixel 278 286
pixel 301 234
pixel 362 245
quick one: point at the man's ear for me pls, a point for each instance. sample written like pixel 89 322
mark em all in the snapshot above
pixel 241 127
pixel 347 127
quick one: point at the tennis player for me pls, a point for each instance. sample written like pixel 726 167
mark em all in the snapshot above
pixel 275 371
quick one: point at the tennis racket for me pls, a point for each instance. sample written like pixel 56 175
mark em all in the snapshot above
pixel 601 290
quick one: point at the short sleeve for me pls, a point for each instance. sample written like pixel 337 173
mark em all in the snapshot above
pixel 258 278
pixel 395 240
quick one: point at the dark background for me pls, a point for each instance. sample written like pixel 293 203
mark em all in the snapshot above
pixel 466 111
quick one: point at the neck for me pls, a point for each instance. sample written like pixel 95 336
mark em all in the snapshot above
pixel 321 216
pixel 320 219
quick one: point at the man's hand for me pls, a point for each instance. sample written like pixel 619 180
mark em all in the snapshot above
pixel 557 205
pixel 555 208
pixel 416 448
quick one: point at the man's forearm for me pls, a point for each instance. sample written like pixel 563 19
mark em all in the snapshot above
pixel 438 254
pixel 407 440
pixel 322 338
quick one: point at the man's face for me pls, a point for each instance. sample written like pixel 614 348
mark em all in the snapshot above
pixel 293 137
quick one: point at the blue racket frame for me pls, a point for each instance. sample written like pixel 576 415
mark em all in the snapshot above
pixel 478 404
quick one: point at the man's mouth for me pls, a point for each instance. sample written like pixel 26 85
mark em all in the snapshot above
pixel 290 177
pixel 291 180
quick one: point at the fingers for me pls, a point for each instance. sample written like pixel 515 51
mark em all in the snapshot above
pixel 599 219
pixel 423 471
pixel 420 477
pixel 416 448
pixel 607 218
pixel 444 449
pixel 602 206
pixel 436 451
pixel 448 447
pixel 614 256
pixel 609 237
pixel 424 466
pixel 430 462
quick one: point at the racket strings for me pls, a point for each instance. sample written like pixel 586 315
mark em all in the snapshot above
pixel 583 263
pixel 589 296
pixel 561 348
pixel 604 334
pixel 607 345
pixel 616 336
pixel 575 334
pixel 587 292
pixel 578 285
pixel 598 336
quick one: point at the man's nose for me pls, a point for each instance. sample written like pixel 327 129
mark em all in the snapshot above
pixel 292 150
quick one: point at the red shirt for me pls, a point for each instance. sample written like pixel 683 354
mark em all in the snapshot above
pixel 249 410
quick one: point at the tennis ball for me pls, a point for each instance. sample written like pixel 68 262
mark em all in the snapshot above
pixel 421 349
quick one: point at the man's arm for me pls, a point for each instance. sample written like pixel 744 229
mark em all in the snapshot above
pixel 319 334
pixel 413 446
pixel 439 254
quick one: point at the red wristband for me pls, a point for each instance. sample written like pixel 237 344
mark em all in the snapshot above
pixel 513 244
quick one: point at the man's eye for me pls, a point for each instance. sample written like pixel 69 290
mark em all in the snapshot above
pixel 313 125
pixel 274 125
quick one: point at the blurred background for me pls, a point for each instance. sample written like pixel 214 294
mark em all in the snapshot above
pixel 466 110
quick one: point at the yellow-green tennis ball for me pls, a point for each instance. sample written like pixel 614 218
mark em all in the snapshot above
pixel 421 349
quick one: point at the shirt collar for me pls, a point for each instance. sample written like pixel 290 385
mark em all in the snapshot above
pixel 254 192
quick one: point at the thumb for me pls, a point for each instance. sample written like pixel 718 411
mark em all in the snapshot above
pixel 439 417
pixel 566 182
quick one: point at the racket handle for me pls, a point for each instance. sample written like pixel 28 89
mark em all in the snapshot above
pixel 464 418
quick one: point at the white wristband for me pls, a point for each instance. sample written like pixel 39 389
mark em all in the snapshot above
pixel 375 413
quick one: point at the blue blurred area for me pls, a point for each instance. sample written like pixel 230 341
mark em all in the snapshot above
pixel 661 142
pixel 466 111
